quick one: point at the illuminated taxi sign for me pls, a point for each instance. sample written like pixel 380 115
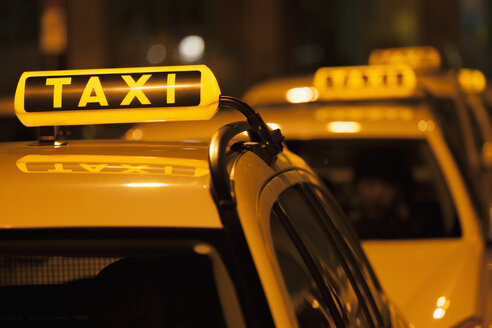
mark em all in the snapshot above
pixel 471 80
pixel 111 164
pixel 418 58
pixel 126 95
pixel 365 82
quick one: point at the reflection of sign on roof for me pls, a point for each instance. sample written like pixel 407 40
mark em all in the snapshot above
pixel 365 82
pixel 107 164
pixel 472 80
pixel 418 58
pixel 116 95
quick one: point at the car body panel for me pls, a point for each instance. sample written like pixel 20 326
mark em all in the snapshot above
pixel 434 269
pixel 86 184
pixel 247 200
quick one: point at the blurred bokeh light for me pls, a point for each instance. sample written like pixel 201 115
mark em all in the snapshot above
pixel 244 42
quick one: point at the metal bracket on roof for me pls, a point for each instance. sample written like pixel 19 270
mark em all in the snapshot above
pixel 264 142
pixel 47 136
pixel 269 141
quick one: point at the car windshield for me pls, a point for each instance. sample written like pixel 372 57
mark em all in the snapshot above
pixel 389 189
pixel 160 286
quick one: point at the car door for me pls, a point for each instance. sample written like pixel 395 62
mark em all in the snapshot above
pixel 321 285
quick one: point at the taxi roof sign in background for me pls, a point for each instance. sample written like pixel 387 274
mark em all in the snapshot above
pixel 365 82
pixel 126 95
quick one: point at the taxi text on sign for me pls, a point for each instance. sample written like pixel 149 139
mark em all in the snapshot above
pixel 365 82
pixel 75 97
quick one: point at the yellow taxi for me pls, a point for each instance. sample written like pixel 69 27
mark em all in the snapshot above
pixel 236 233
pixel 370 134
pixel 467 123
pixel 373 138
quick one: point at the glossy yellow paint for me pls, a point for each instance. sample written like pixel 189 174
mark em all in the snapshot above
pixel 277 90
pixel 116 185
pixel 134 89
pixel 471 80
pixel 255 216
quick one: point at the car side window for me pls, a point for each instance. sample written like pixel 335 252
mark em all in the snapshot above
pixel 310 308
pixel 359 261
pixel 306 224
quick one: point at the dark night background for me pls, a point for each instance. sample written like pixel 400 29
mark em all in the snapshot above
pixel 245 41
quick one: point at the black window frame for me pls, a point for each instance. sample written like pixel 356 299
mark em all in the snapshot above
pixel 334 304
pixel 350 247
pixel 372 314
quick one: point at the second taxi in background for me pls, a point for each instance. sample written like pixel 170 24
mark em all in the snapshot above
pixel 371 135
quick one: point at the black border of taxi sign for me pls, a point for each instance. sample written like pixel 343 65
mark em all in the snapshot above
pixel 120 95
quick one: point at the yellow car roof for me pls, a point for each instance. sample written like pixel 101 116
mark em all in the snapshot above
pixel 106 184
pixel 307 121
pixel 279 91
pixel 275 91
pixel 351 121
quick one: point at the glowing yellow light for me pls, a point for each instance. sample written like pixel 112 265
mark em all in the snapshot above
pixel 439 313
pixel 343 127
pixel 422 125
pixel 472 81
pixel 301 95
pixel 365 82
pixel 273 126
pixel 202 249
pixel 443 302
pixel 137 134
pixel 203 87
pixel 315 304
pixel 145 185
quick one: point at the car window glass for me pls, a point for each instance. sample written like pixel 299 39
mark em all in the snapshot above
pixel 306 223
pixel 348 234
pixel 175 289
pixel 389 189
pixel 310 308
